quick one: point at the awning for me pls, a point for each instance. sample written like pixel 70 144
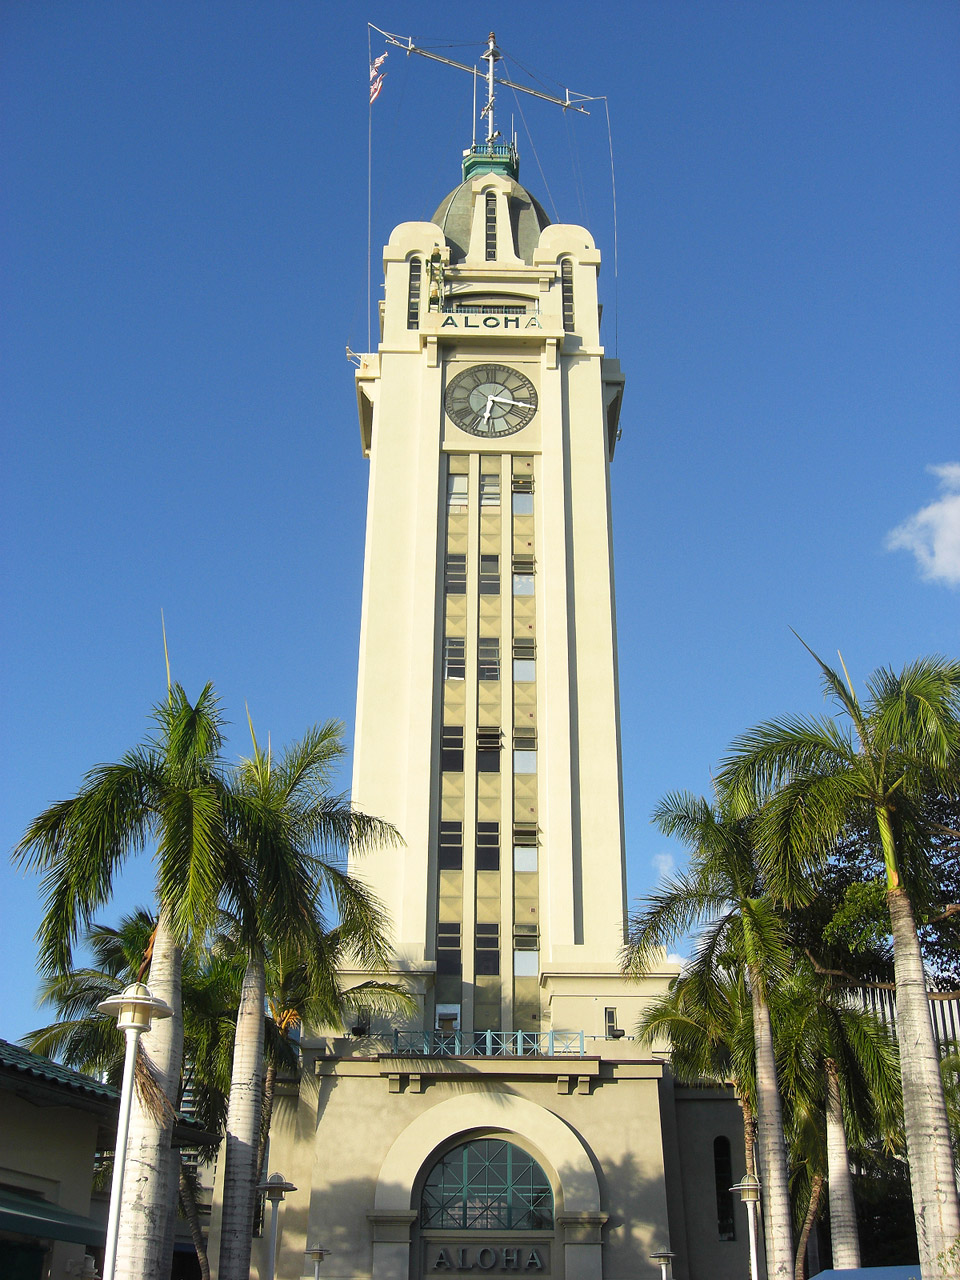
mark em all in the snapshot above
pixel 32 1217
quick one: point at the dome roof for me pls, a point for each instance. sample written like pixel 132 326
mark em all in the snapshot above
pixel 455 214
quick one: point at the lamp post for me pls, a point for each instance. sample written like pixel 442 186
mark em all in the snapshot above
pixel 134 1011
pixel 749 1188
pixel 317 1253
pixel 275 1188
pixel 665 1258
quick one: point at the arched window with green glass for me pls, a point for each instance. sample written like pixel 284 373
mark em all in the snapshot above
pixel 487 1185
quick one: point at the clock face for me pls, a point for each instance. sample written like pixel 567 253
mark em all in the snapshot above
pixel 490 400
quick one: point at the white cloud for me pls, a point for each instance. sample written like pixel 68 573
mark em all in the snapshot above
pixel 663 864
pixel 933 534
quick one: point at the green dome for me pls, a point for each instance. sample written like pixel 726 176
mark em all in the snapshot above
pixel 455 213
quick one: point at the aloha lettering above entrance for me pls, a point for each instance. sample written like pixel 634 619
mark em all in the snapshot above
pixel 489 1258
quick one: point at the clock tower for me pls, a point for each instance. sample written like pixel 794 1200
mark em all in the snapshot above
pixel 487 719
pixel 511 1122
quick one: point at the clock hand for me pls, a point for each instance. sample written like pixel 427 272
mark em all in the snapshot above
pixel 521 404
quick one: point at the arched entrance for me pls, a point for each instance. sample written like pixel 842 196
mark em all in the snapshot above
pixel 513 1169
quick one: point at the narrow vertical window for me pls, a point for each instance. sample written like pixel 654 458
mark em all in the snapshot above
pixel 488 658
pixel 524 659
pixel 523 575
pixel 488 846
pixel 566 293
pixel 524 749
pixel 448 948
pixel 523 495
pixel 451 748
pixel 490 211
pixel 455 575
pixel 488 749
pixel 456 494
pixel 723 1174
pixel 489 491
pixel 454 658
pixel 487 954
pixel 413 294
pixel 524 846
pixel 450 854
pixel 489 575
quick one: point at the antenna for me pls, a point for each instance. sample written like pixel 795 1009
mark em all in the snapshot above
pixel 491 57
pixel 571 101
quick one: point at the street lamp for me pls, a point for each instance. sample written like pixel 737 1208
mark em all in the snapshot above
pixel 134 1011
pixel 317 1253
pixel 275 1188
pixel 749 1188
pixel 664 1257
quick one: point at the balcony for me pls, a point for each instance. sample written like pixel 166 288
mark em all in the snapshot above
pixel 489 1044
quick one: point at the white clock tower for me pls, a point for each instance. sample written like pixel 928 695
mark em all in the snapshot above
pixel 487 721
pixel 512 1124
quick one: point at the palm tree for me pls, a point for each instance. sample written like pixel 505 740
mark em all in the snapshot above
pixel 166 792
pixel 894 753
pixel 707 1018
pixel 82 1038
pixel 289 835
pixel 838 1061
pixel 294 998
pixel 724 891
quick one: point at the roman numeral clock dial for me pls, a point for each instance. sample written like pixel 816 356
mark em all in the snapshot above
pixel 490 400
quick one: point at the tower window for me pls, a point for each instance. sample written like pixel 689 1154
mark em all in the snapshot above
pixel 566 293
pixel 455 574
pixel 610 1024
pixel 451 748
pixel 489 491
pixel 523 575
pixel 489 575
pixel 723 1175
pixel 488 750
pixel 488 658
pixel 524 749
pixel 524 846
pixel 456 494
pixel 488 846
pixel 487 954
pixel 450 855
pixel 524 659
pixel 523 495
pixel 490 212
pixel 448 949
pixel 413 294
pixel 526 937
pixel 454 659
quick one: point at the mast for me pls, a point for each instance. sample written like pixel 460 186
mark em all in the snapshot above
pixel 491 57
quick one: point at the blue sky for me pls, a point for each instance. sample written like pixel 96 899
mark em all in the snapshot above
pixel 185 262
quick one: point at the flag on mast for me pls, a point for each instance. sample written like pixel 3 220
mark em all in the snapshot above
pixel 376 77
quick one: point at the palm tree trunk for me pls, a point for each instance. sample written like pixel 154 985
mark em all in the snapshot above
pixel 749 1137
pixel 844 1239
pixel 148 1209
pixel 932 1180
pixel 774 1184
pixel 813 1208
pixel 243 1127
pixel 269 1089
pixel 188 1203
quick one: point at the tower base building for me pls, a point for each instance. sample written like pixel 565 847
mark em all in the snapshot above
pixel 513 1125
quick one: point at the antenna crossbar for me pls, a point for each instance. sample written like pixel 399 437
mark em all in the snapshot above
pixel 571 101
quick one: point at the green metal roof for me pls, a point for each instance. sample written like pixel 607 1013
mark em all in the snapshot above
pixel 14 1057
pixel 31 1216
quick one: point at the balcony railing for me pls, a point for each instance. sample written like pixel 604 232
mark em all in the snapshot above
pixel 489 1044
